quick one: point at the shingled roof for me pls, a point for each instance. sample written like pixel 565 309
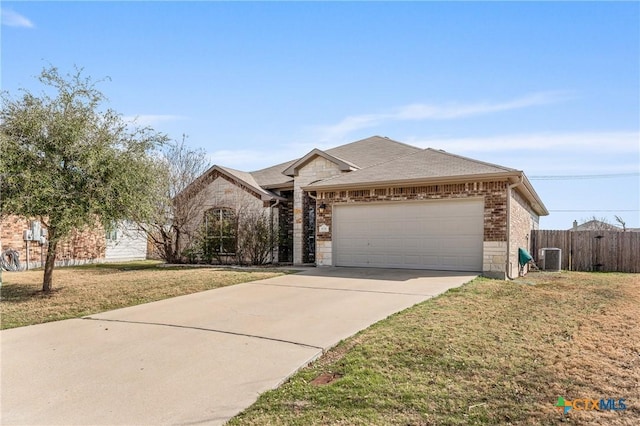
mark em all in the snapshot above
pixel 430 165
pixel 272 177
pixel 422 165
pixel 363 153
pixel 371 151
pixel 380 160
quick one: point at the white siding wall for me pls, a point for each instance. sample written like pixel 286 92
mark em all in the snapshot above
pixel 129 244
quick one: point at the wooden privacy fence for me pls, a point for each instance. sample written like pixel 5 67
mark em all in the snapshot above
pixel 605 251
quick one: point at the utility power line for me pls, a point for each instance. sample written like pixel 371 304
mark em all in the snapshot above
pixel 576 177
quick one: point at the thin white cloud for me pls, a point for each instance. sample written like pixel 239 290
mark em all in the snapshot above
pixel 448 111
pixel 14 19
pixel 151 119
pixel 579 142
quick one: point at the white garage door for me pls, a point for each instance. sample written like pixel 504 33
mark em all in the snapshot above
pixel 440 235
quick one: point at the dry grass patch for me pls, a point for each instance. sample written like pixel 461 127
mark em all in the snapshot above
pixel 491 352
pixel 81 291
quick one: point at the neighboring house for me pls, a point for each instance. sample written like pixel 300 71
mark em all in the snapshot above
pixel 124 243
pixel 91 245
pixel 381 203
pixel 594 225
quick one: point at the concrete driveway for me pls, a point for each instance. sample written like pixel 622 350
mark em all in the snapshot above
pixel 196 359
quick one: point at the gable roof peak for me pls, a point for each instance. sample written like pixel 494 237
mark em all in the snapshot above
pixel 359 154
pixel 344 165
pixel 242 178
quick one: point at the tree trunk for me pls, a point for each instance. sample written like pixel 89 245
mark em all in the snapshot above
pixel 50 262
pixel 176 247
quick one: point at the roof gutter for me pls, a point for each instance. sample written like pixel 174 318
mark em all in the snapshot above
pixel 271 197
pixel 533 197
pixel 285 185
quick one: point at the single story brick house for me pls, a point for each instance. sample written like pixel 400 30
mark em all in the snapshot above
pixel 377 202
pixel 27 236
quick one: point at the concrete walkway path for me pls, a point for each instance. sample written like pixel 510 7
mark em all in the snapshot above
pixel 198 359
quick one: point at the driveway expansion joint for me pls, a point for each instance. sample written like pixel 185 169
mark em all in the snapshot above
pixel 398 293
pixel 212 330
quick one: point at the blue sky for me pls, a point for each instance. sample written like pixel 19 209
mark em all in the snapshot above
pixel 551 88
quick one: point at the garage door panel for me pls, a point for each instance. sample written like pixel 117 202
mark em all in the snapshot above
pixel 444 235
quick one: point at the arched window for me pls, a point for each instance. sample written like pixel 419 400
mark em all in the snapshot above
pixel 220 226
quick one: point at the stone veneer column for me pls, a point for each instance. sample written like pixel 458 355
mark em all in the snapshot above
pixel 324 253
pixel 298 244
pixel 494 259
pixel 317 169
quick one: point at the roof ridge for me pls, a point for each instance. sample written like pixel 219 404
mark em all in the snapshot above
pixel 371 137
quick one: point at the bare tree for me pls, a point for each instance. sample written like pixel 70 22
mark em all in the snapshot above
pixel 256 237
pixel 622 223
pixel 178 200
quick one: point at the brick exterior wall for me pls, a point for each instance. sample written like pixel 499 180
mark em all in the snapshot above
pixel 523 220
pixel 86 246
pixel 494 194
pixel 220 191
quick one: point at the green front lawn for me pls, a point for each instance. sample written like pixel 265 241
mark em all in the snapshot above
pixel 491 352
pixel 85 290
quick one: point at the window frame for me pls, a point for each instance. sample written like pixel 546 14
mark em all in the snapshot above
pixel 221 231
